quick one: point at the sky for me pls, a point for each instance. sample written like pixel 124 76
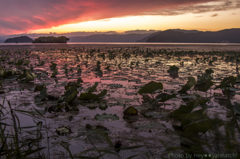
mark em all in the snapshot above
pixel 65 16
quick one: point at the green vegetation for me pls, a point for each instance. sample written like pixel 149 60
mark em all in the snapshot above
pixel 191 82
pixel 173 71
pixel 150 87
pixel 12 144
pixel 51 39
pixel 115 102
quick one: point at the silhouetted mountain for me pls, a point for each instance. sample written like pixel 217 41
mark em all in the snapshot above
pixel 176 36
pixel 147 37
pixel 21 39
pixel 186 31
pixel 108 38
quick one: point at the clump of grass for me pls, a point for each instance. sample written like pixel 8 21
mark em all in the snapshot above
pixel 13 144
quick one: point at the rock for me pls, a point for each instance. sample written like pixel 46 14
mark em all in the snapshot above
pixel 88 126
pixel 103 106
pixel 100 127
pixel 60 106
pixel 130 114
pixel 229 114
pixel 39 87
pixel 115 86
pixel 173 71
pixel 169 131
pixel 71 108
pixel 135 80
pixel 53 109
pixel 117 146
pixel 130 111
pixel 105 116
pixel 146 98
pixel 51 97
pixel 63 130
pixel 92 106
pixel 130 118
pixel 72 84
pixel 70 118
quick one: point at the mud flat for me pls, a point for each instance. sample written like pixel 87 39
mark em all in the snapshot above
pixel 124 100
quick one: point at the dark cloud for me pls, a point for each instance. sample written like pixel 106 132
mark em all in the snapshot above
pixel 214 15
pixel 73 34
pixel 19 16
pixel 221 5
pixel 139 31
pixel 198 16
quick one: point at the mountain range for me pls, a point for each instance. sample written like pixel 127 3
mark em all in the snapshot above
pixel 109 38
pixel 167 36
pixel 178 36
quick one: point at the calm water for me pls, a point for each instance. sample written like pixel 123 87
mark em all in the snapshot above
pixel 170 46
pixel 22 96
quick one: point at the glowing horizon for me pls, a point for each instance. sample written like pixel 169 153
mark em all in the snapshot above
pixel 151 23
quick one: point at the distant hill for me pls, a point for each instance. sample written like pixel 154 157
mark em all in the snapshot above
pixel 109 38
pixel 21 39
pixel 171 36
pixel 147 37
pixel 186 31
pixel 51 39
pixel 180 36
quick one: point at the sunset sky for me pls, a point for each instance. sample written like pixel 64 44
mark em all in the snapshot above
pixel 62 16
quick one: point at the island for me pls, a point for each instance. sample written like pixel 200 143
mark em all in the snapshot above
pixel 51 39
pixel 21 39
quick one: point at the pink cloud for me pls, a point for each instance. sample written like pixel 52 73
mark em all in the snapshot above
pixel 19 16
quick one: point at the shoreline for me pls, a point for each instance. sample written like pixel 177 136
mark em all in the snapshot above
pixel 201 47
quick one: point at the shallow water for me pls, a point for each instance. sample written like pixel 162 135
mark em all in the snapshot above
pixel 123 84
pixel 169 46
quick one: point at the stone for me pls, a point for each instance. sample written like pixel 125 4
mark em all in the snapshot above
pixel 63 130
pixel 130 111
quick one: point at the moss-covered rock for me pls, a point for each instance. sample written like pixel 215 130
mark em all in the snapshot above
pixel 105 116
pixel 63 130
pixel 130 111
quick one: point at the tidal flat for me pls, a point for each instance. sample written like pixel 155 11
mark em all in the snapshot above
pixel 119 100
